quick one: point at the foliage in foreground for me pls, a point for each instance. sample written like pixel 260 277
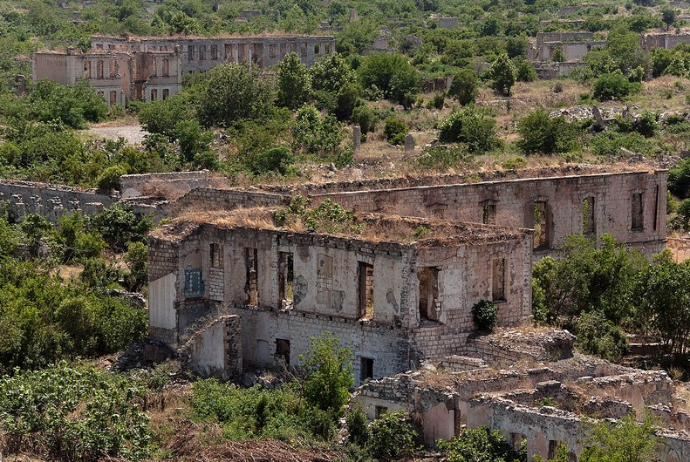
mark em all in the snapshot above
pixel 480 445
pixel 624 441
pixel 80 415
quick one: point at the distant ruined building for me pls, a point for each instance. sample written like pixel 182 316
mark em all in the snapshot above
pixel 122 69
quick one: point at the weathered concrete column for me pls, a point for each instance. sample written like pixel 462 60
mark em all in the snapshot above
pixel 356 138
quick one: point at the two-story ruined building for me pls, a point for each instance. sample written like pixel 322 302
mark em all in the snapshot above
pixel 396 294
pixel 140 68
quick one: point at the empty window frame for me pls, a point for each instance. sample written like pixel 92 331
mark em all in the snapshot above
pixel 489 212
pixel 252 287
pixel 154 94
pixel 637 222
pixel 588 216
pixel 113 97
pixel 99 69
pixel 165 67
pixel 190 53
pixel 366 290
pixel 214 52
pixel 283 351
pixel 216 255
pixel 498 279
pixel 366 369
pixel 87 69
pixel 286 278
pixel 428 294
pixel 541 225
pixel 112 67
pixel 202 52
pixel 656 207
pixel 379 411
pixel 166 93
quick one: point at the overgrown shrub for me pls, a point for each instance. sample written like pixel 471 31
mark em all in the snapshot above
pixel 392 436
pixel 612 86
pixel 540 133
pixel 474 127
pixel 597 336
pixel 366 118
pixel 485 315
pixel 442 157
pixel 357 426
pixel 395 130
pixel 464 86
pixel 480 445
pixel 110 178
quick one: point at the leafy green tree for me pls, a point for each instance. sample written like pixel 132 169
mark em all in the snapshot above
pixel 36 229
pixel 612 86
pixel 162 115
pixel 137 259
pixel 313 134
pixel 479 445
pixel 516 46
pixel 294 82
pixel 662 297
pixel 110 178
pixel 679 179
pixel 584 279
pixel 392 74
pixel 331 74
pixel 365 117
pixel 349 97
pixel 119 226
pixel 668 16
pixel 472 126
pixel 392 436
pixel 624 441
pixel 503 74
pixel 540 133
pixel 598 336
pixel 230 93
pixel 464 86
pixel 525 71
pixel 277 160
pixel 328 368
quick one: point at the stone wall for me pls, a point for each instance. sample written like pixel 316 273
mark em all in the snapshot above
pixel 21 198
pixel 165 184
pixel 227 199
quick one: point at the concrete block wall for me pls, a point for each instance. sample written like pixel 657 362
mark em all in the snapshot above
pixel 216 349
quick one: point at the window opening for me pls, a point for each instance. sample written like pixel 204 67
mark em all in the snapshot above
pixel 214 52
pixel 154 94
pixel 99 69
pixel 252 289
pixel 366 291
pixel 286 279
pixel 283 351
pixel 166 93
pixel 541 240
pixel 379 411
pixel 588 216
pixel 202 53
pixel 498 280
pixel 367 369
pixel 428 294
pixel 165 67
pixel 217 255
pixel 190 53
pixel 193 283
pixel 637 212
pixel 489 213
pixel 656 206
pixel 113 97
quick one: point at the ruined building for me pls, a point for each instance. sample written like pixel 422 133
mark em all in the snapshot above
pixel 123 69
pixel 398 295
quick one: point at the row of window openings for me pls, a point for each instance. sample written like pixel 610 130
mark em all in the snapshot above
pixel 428 283
pixel 541 217
pixel 100 69
pixel 242 50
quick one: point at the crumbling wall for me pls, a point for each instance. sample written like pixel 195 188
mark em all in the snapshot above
pixel 216 349
pixel 21 198
pixel 227 199
pixel 179 183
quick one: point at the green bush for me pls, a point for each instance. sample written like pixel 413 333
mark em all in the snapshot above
pixel 480 445
pixel 485 315
pixel 442 157
pixel 392 436
pixel 81 415
pixel 464 86
pixel 395 130
pixel 365 117
pixel 357 427
pixel 679 179
pixel 600 337
pixel 110 178
pixel 474 127
pixel 540 133
pixel 612 86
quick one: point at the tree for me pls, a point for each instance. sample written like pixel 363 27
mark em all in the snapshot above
pixel 479 445
pixel 294 82
pixel 328 368
pixel 540 133
pixel 668 16
pixel 313 134
pixel 464 86
pixel 662 297
pixel 392 74
pixel 331 73
pixel 231 93
pixel 395 130
pixel 161 116
pixel 503 75
pixel 392 436
pixel 624 441
pixel 474 127
pixel 612 86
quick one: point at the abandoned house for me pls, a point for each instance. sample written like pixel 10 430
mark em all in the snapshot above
pixel 394 298
pixel 140 68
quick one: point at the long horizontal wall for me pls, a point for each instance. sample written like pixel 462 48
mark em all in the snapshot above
pixel 513 204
